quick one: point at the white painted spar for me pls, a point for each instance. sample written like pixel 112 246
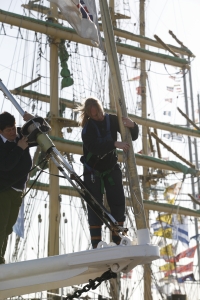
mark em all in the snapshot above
pixel 75 268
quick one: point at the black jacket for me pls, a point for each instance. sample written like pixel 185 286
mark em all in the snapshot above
pixel 103 151
pixel 15 164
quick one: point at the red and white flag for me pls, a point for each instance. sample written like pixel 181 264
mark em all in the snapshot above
pixel 168 100
pixel 181 269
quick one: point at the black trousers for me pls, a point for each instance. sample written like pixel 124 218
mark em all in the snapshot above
pixel 10 202
pixel 114 194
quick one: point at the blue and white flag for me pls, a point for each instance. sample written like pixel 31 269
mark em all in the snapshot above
pixel 170 88
pixel 81 15
pixel 158 225
pixel 180 230
pixel 18 228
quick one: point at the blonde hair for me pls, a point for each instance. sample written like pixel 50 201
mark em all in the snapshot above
pixel 85 109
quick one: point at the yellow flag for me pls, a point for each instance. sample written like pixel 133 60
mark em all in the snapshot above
pixel 166 233
pixel 171 201
pixel 169 197
pixel 167 267
pixel 165 218
pixel 167 250
pixel 174 188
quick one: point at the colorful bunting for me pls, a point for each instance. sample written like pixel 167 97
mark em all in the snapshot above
pixel 168 100
pixel 167 113
pixel 167 218
pixel 167 135
pixel 166 233
pixel 174 188
pixel 138 90
pixel 180 229
pixel 187 253
pixel 127 275
pixel 189 277
pixel 170 191
pixel 177 136
pixel 160 225
pixel 170 89
pixel 171 200
pixel 167 250
pixel 180 269
pixel 167 267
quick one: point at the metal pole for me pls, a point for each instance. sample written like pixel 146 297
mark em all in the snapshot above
pixel 198 106
pixel 196 160
pixel 11 98
pixel 145 183
pixel 135 192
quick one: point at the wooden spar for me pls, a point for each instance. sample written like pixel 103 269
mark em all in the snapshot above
pixel 194 200
pixel 150 205
pixel 187 118
pixel 54 203
pixel 157 144
pixel 165 45
pixel 171 150
pixel 176 39
pixel 137 119
pixel 150 141
pixel 121 111
pixel 21 87
pixel 141 160
pixel 65 33
pixel 114 282
pixel 118 32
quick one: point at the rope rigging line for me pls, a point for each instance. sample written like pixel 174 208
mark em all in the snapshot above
pixel 45 162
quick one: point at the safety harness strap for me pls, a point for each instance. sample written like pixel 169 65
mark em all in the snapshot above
pixel 101 175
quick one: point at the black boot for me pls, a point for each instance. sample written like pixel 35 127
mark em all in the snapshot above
pixel 2 260
pixel 95 233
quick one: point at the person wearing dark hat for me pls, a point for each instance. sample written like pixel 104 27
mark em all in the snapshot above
pixel 15 164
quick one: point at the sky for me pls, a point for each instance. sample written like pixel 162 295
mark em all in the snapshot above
pixel 180 16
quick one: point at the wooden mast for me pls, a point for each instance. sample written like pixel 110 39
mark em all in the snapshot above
pixel 114 24
pixel 121 111
pixel 145 182
pixel 54 213
pixel 54 190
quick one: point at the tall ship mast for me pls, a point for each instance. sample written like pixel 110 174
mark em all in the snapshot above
pixel 52 70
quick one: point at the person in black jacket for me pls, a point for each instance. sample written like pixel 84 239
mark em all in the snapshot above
pixel 101 170
pixel 15 164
